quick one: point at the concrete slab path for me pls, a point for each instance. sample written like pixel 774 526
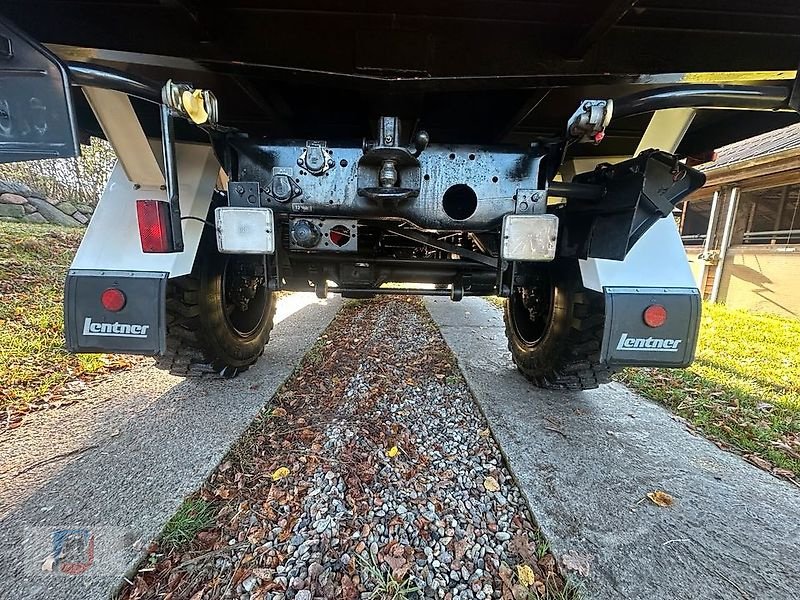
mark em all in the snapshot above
pixel 111 470
pixel 586 461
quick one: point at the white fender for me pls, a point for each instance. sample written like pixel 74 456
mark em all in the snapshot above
pixel 658 259
pixel 111 241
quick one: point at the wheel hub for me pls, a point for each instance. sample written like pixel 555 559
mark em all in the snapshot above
pixel 245 296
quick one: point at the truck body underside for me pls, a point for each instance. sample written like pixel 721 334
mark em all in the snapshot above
pixel 484 148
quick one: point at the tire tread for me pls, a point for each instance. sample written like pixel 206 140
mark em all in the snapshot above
pixel 578 367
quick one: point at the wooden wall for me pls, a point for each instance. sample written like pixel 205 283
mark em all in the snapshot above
pixel 764 279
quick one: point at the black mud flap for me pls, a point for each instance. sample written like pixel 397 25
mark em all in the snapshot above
pixel 139 327
pixel 37 116
pixel 629 341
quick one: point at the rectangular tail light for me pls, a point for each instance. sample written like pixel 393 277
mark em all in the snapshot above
pixel 154 225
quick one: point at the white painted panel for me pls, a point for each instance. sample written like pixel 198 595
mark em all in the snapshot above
pixel 112 241
pixel 658 259
pixel 119 122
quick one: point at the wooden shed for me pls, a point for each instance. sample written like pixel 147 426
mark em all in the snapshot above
pixel 742 230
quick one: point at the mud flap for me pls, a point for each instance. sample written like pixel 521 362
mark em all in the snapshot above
pixel 629 341
pixel 139 327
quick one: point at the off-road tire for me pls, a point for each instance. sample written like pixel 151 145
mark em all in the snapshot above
pixel 567 353
pixel 200 339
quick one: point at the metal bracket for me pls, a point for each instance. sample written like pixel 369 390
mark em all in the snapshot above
pixel 794 97
pixel 37 112
pixel 243 194
pixel 530 202
pixel 171 176
pixel 335 235
pixel 638 192
pixel 389 171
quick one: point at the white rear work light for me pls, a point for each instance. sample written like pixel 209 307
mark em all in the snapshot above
pixel 529 237
pixel 245 230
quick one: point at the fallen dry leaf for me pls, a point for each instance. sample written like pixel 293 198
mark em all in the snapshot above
pixel 576 562
pixel 660 498
pixel 392 452
pixel 784 473
pixel 279 412
pixel 224 493
pixel 759 462
pixel 521 545
pixel 280 473
pixel 484 433
pixel 505 575
pixel 525 575
pixel 519 592
pixel 399 566
pixel 491 485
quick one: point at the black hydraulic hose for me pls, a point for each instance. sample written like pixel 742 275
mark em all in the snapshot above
pixel 746 97
pixel 99 76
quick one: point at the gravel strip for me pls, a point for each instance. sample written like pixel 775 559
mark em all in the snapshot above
pixel 394 482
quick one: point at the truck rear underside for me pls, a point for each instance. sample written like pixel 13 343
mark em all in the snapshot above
pixel 531 150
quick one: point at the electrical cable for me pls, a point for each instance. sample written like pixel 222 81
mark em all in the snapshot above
pixel 203 221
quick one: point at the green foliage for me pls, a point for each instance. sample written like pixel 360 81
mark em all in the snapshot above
pixel 33 262
pixel 79 180
pixel 744 387
pixel 193 516
pixel 384 585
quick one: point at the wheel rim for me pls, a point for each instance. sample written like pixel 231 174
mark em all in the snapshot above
pixel 531 313
pixel 244 297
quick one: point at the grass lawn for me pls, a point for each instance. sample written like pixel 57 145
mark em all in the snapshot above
pixel 33 362
pixel 743 389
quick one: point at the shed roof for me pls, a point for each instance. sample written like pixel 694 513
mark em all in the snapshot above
pixel 762 145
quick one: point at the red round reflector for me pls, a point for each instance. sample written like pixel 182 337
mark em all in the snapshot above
pixel 655 315
pixel 113 299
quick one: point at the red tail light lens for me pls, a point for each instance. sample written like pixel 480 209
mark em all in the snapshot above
pixel 154 232
pixel 113 299
pixel 655 315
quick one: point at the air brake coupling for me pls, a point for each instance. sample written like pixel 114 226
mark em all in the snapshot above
pixel 589 122
pixel 197 105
